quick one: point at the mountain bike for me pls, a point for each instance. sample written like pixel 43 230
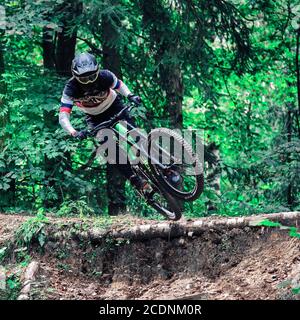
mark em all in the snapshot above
pixel 178 178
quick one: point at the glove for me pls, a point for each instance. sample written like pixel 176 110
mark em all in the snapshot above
pixel 81 135
pixel 135 99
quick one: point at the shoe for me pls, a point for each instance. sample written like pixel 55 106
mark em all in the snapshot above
pixel 146 189
pixel 174 178
pixel 141 185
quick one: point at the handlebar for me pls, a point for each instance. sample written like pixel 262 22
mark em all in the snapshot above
pixel 111 121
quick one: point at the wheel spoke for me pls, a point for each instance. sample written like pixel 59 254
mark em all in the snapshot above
pixel 175 164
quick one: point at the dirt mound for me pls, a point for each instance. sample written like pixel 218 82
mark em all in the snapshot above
pixel 8 225
pixel 198 259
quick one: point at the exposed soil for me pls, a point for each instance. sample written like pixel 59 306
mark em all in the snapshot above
pixel 220 263
pixel 8 225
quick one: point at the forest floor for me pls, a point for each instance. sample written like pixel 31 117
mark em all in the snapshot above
pixel 132 258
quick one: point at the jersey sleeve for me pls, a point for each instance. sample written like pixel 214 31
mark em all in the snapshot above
pixel 112 82
pixel 66 99
pixel 66 108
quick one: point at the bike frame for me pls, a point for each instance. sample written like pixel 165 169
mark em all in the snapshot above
pixel 122 129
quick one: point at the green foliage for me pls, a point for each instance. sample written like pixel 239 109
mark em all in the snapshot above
pixel 296 290
pixel 77 208
pixel 235 61
pixel 63 266
pixel 32 230
pixel 111 244
pixel 268 223
pixel 24 259
pixel 293 231
pixel 12 287
pixel 102 222
pixel 62 254
pixel 3 253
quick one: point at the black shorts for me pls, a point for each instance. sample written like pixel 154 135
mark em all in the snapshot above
pixel 115 108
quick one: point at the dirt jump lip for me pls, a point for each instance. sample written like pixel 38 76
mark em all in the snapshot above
pixel 208 258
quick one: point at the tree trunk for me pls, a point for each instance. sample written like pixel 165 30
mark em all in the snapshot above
pixel 48 49
pixel 291 110
pixel 111 61
pixel 66 38
pixel 289 129
pixel 65 52
pixel 212 157
pixel 170 76
pixel 171 83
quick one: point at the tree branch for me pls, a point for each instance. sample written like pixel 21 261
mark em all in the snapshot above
pixel 95 50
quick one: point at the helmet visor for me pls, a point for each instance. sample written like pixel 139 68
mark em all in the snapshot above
pixel 88 79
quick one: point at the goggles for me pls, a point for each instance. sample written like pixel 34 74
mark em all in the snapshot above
pixel 88 79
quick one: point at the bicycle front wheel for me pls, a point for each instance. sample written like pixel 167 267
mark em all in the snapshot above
pixel 183 178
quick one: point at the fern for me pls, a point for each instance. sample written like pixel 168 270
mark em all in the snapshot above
pixel 32 230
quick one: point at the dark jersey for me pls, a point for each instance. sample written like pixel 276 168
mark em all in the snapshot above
pixel 91 98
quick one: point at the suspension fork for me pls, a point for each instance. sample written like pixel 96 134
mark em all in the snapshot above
pixel 129 144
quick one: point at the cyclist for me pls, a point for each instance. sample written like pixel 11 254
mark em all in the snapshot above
pixel 95 92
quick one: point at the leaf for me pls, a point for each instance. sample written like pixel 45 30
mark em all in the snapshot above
pixel 294 232
pixel 268 223
pixel 42 239
pixel 5 186
pixel 3 252
pixel 295 24
pixel 296 290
